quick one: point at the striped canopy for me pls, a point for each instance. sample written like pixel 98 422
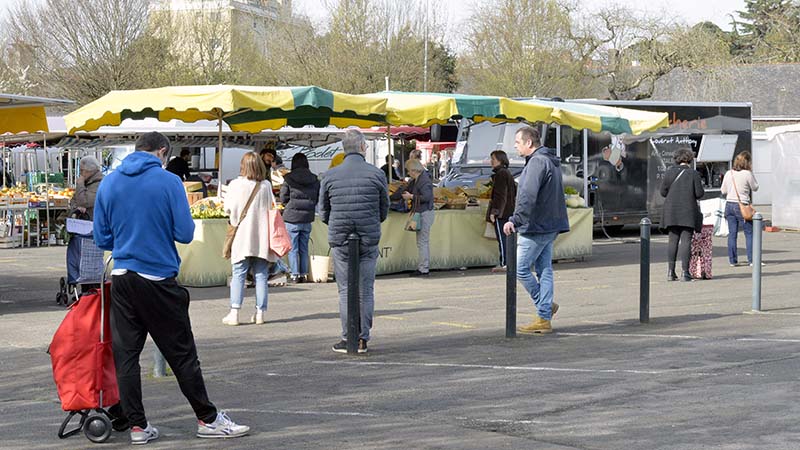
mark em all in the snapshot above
pixel 599 118
pixel 243 108
pixel 426 109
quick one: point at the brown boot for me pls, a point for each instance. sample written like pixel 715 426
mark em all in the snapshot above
pixel 538 326
pixel 554 310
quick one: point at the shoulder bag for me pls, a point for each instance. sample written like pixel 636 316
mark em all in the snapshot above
pixel 414 221
pixel 747 210
pixel 231 233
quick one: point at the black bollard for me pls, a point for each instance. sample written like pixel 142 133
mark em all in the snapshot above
pixel 353 293
pixel 644 271
pixel 511 285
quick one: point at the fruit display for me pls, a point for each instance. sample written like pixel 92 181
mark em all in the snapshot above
pixel 450 199
pixel 20 196
pixel 208 208
pixel 572 199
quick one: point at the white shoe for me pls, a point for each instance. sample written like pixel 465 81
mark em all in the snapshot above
pixel 232 318
pixel 141 436
pixel 223 427
pixel 258 317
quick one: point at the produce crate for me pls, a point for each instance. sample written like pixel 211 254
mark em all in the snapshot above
pixel 11 241
pixel 192 186
pixel 194 197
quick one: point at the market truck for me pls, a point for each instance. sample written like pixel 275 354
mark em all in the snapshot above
pixel 619 175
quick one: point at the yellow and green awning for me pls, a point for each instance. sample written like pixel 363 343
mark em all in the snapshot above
pixel 426 109
pixel 243 108
pixel 599 118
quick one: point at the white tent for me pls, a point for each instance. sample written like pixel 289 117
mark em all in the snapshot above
pixel 786 175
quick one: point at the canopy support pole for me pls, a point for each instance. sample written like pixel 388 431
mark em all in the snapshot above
pixel 46 192
pixel 390 146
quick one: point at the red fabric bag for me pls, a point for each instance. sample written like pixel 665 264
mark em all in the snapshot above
pixel 279 241
pixel 82 365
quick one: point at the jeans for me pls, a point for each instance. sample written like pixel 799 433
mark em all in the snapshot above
pixel 260 268
pixel 366 284
pixel 735 221
pixel 298 255
pixel 424 241
pixel 501 238
pixel 536 250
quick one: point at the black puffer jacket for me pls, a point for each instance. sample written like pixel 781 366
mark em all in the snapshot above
pixel 354 198
pixel 299 196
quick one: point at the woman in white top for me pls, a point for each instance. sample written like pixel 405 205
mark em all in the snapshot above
pixel 739 180
pixel 250 249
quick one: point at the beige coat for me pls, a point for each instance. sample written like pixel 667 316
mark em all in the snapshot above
pixel 252 237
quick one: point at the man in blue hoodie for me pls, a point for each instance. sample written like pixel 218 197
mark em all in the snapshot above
pixel 139 213
pixel 539 216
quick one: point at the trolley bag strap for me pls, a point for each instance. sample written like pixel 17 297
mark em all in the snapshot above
pixel 231 233
pixel 747 210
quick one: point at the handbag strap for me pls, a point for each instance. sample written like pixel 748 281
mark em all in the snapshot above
pixel 249 201
pixel 733 179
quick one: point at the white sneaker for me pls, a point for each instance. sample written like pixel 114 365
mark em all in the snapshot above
pixel 223 427
pixel 141 436
pixel 232 318
pixel 258 317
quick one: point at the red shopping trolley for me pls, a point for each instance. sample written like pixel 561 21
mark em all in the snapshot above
pixel 83 368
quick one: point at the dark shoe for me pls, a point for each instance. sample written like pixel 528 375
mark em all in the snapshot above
pixel 671 276
pixel 362 346
pixel 686 277
pixel 417 273
pixel 340 347
pixel 553 310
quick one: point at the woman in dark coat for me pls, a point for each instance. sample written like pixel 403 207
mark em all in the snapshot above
pixel 501 206
pixel 299 195
pixel 682 187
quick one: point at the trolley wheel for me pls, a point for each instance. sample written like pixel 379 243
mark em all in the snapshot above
pixel 97 428
pixel 62 284
pixel 61 298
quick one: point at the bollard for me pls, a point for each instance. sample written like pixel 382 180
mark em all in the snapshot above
pixel 758 227
pixel 159 364
pixel 511 285
pixel 644 271
pixel 353 293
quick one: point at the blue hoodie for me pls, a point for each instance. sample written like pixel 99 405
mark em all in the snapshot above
pixel 139 213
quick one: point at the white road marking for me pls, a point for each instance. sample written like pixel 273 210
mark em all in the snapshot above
pixel 633 335
pixel 304 413
pixel 494 367
pixel 767 340
pixel 507 421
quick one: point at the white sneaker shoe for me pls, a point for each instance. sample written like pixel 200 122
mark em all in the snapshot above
pixel 223 427
pixel 232 318
pixel 141 436
pixel 258 317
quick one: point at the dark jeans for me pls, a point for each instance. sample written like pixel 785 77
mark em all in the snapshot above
pixel 501 238
pixel 680 245
pixel 735 222
pixel 160 308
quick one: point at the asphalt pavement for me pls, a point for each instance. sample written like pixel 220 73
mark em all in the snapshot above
pixel 706 372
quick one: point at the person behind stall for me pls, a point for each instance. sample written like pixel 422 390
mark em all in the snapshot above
pixel 250 249
pixel 682 188
pixel 389 170
pixel 299 195
pixel 82 206
pixel 501 205
pixel 353 200
pixel 277 271
pixel 738 185
pixel 419 192
pixel 140 211
pixel 180 165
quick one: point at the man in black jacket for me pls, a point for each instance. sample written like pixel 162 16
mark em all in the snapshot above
pixel 354 199
pixel 180 165
pixel 539 216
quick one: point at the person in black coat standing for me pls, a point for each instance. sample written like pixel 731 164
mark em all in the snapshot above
pixel 501 206
pixel 299 195
pixel 682 187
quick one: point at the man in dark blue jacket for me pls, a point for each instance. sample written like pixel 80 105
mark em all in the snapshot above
pixel 354 199
pixel 539 216
pixel 139 212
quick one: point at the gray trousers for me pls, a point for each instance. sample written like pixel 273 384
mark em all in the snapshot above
pixel 368 262
pixel 424 241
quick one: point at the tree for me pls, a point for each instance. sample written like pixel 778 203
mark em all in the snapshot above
pixel 767 31
pixel 520 48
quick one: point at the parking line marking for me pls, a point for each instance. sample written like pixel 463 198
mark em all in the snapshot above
pixel 304 413
pixel 390 317
pixel 457 325
pixel 768 313
pixel 635 335
pixel 493 367
pixel 767 340
pixel 409 302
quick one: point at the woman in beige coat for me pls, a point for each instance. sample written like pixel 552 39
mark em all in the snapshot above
pixel 250 249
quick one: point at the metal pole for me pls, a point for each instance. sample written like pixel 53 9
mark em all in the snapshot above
pixel 511 285
pixel 758 227
pixel 644 271
pixel 46 191
pixel 353 293
pixel 585 161
pixel 159 363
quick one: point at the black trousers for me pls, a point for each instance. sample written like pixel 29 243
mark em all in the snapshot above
pixel 160 308
pixel 501 238
pixel 680 246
